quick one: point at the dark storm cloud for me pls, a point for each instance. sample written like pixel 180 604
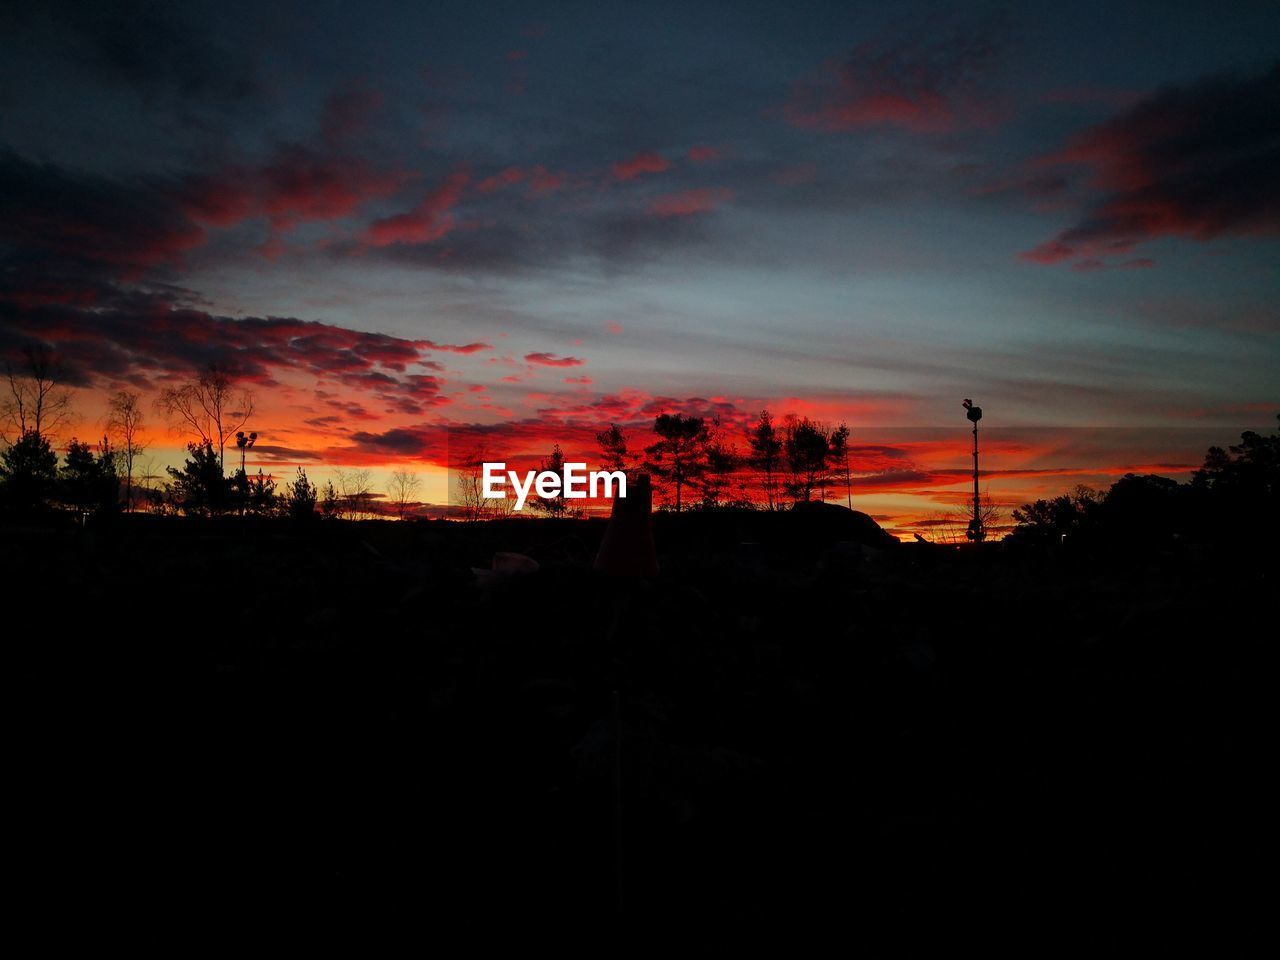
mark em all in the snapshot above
pixel 135 335
pixel 1198 161
pixel 94 224
pixel 81 224
pixel 402 441
pixel 276 453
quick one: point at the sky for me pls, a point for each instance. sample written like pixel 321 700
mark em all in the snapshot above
pixel 513 224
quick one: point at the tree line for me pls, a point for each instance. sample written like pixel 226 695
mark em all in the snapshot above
pixel 694 462
pixel 699 464
pixel 1234 495
pixel 103 477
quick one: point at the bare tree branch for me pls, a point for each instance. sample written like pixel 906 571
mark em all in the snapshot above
pixel 36 402
pixel 208 406
pixel 404 487
pixel 125 421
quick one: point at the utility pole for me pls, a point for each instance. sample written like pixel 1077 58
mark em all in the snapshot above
pixel 976 533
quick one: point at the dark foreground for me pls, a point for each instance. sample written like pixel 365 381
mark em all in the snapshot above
pixel 262 735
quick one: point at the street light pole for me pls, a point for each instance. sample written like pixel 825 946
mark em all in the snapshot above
pixel 976 533
pixel 244 443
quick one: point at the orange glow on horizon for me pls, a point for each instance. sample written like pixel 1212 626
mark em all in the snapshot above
pixel 910 479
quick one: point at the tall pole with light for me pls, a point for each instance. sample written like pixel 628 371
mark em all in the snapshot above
pixel 244 443
pixel 975 532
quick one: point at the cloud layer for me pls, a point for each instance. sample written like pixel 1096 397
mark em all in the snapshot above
pixel 1196 162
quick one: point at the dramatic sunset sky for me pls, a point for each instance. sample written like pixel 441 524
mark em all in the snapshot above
pixel 522 222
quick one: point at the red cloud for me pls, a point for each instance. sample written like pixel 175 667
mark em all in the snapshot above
pixel 922 111
pixel 900 82
pixel 429 220
pixel 644 162
pixel 298 185
pixel 700 153
pixel 134 337
pixel 498 181
pixel 1052 251
pixel 549 360
pixel 1195 162
pixel 542 180
pixel 465 348
pixel 690 202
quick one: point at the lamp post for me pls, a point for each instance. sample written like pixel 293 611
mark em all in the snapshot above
pixel 244 443
pixel 975 532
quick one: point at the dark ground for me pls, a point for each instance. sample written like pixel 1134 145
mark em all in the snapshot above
pixel 262 734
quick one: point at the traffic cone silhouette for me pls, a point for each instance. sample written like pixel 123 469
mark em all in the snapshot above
pixel 627 548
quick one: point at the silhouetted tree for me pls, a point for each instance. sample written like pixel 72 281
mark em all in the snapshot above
pixel 952 525
pixel 255 495
pixel 1239 488
pixel 88 480
pixel 355 488
pixel 300 497
pixel 838 458
pixel 613 448
pixel 149 482
pixel 766 456
pixel 35 400
pixel 330 504
pixel 554 506
pixel 200 489
pixel 28 471
pixel 124 420
pixel 1051 520
pixel 679 456
pixel 807 448
pixel 210 406
pixel 1143 508
pixel 404 487
pixel 722 461
pixel 469 483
